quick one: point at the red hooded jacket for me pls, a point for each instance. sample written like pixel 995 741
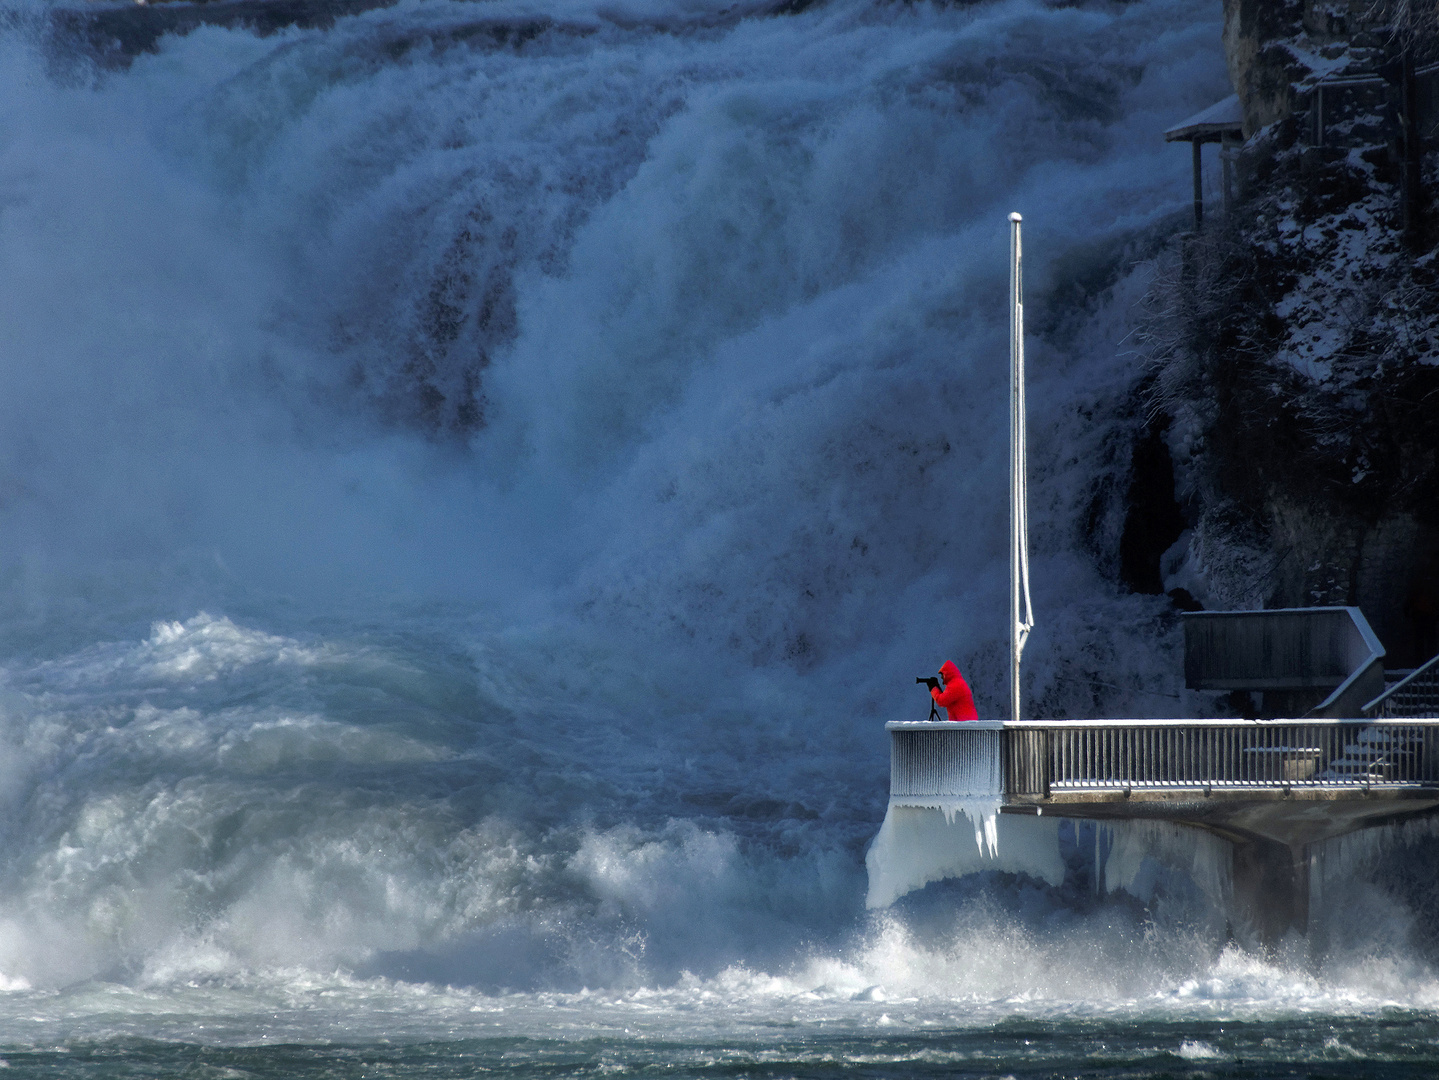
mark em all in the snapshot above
pixel 955 697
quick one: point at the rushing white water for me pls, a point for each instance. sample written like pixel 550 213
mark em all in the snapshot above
pixel 475 479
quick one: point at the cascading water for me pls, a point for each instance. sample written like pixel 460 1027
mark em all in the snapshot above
pixel 475 478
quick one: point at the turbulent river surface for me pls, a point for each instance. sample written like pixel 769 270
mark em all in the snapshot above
pixel 475 477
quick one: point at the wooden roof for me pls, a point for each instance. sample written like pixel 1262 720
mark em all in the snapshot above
pixel 1220 119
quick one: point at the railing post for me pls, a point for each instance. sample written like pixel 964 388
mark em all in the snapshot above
pixel 1044 776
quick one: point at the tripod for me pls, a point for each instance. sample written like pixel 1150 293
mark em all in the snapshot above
pixel 933 684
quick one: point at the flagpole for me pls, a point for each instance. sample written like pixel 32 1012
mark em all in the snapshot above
pixel 1021 617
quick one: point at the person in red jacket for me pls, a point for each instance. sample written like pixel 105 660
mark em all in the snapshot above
pixel 955 697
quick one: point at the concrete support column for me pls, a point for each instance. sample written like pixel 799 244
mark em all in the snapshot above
pixel 1271 890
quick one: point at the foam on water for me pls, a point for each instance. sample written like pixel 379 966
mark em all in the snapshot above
pixel 474 481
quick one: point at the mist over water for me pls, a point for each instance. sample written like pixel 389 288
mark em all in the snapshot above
pixel 475 479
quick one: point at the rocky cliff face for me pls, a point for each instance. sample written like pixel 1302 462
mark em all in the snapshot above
pixel 1277 49
pixel 1295 343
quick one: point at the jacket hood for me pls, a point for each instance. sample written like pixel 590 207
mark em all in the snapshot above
pixel 949 671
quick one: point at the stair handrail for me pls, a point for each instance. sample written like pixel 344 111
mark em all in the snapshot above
pixel 1425 672
pixel 1341 703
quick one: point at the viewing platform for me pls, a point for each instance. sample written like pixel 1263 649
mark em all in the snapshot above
pixel 1357 752
pixel 1248 805
pixel 1289 781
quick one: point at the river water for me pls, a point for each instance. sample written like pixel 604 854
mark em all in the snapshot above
pixel 476 477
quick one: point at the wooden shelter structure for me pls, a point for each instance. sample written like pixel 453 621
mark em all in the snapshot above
pixel 1222 122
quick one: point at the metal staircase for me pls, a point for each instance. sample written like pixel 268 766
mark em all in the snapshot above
pixel 1376 756
pixel 1415 695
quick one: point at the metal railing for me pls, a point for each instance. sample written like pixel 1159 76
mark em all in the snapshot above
pixel 932 762
pixel 1348 110
pixel 1417 695
pixel 1032 758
